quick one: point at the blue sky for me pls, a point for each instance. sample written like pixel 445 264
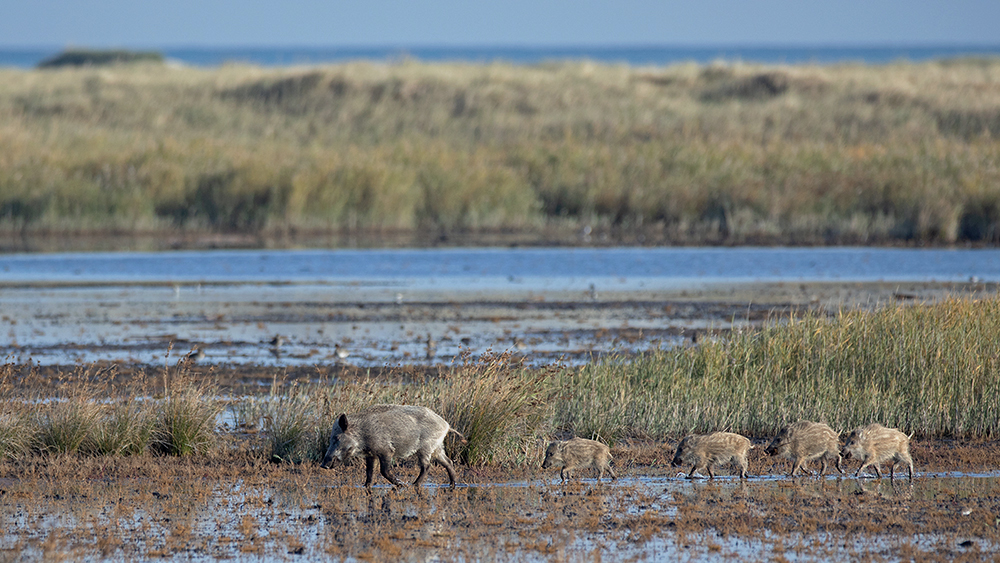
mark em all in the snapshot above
pixel 158 23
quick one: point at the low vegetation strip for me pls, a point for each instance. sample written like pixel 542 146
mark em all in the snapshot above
pixel 723 153
pixel 930 370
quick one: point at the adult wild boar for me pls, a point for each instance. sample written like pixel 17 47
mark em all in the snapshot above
pixel 706 450
pixel 875 444
pixel 387 432
pixel 805 441
pixel 578 453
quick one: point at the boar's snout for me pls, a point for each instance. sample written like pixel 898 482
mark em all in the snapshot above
pixel 328 460
pixel 552 455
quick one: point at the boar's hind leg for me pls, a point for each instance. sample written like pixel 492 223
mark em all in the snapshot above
pixel 437 457
pixel 384 462
pixel 607 467
pixel 442 458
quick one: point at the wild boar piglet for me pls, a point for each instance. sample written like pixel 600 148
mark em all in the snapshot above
pixel 875 444
pixel 704 451
pixel 805 441
pixel 387 432
pixel 578 453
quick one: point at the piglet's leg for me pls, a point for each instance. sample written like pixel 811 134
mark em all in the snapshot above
pixel 369 470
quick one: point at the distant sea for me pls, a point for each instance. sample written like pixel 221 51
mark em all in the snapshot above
pixel 653 55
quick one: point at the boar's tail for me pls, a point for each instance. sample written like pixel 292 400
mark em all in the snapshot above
pixel 463 439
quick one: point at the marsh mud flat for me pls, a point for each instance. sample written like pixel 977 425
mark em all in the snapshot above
pixel 202 510
pixel 425 307
pixel 353 325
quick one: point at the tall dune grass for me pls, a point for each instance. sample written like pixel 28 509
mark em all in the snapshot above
pixel 722 153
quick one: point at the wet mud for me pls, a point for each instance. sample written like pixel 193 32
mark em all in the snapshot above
pixel 132 508
pixel 332 328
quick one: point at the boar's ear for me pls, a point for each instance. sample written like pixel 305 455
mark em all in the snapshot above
pixel 342 422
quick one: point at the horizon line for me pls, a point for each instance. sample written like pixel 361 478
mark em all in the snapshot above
pixel 529 46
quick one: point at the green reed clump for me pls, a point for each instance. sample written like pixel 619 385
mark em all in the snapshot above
pixel 186 418
pixel 499 407
pixel 929 369
pixel 65 425
pixel 293 425
pixel 125 427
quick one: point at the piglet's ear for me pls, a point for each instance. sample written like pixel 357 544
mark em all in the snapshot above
pixel 342 422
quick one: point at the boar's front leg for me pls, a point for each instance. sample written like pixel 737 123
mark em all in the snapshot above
pixel 384 462
pixel 369 470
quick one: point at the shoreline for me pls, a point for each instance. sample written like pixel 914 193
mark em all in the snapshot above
pixel 576 236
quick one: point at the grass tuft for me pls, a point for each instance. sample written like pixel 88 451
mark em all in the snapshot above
pixel 499 406
pixel 187 417
pixel 292 426
pixel 16 436
pixel 66 425
pixel 125 428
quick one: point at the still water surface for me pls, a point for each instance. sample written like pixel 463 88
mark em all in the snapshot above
pixel 491 265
